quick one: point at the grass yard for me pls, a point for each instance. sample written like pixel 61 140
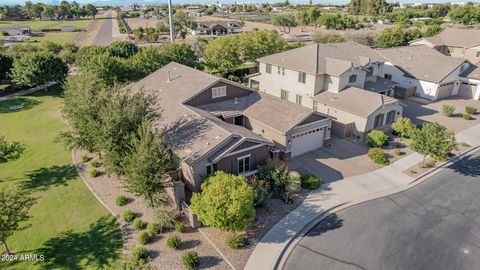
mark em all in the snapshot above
pixel 39 25
pixel 67 224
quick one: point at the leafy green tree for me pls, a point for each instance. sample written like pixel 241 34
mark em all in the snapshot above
pixel 123 49
pixel 255 44
pixel 181 53
pixel 225 203
pixel 222 54
pixel 146 61
pixel 5 66
pixel 403 126
pixel 87 54
pixel 433 30
pixel 433 140
pixel 466 14
pixel 108 69
pixel 38 68
pixel 90 10
pixel 152 34
pixel 9 151
pixel 148 165
pixel 182 23
pixel 15 202
pixel 51 47
pixel 138 33
pixel 285 22
pixel 69 53
pixel 391 37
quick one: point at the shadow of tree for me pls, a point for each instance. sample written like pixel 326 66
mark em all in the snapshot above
pixel 17 104
pixel 332 222
pixel 468 166
pixel 43 178
pixel 96 248
pixel 208 262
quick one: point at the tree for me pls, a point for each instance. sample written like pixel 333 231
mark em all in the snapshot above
pixel 15 201
pixel 182 23
pixel 9 151
pixel 293 184
pixel 90 10
pixel 222 54
pixel 38 68
pixel 285 22
pixel 433 140
pixel 327 38
pixel 5 66
pixel 108 69
pixel 68 54
pixel 181 53
pixel 138 33
pixel 146 61
pixel 255 44
pixel 466 14
pixel 403 126
pixel 376 138
pixel 149 164
pixel 225 203
pixel 152 35
pixel 123 49
pixel 433 30
pixel 391 37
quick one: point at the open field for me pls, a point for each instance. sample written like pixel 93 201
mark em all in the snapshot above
pixel 67 224
pixel 39 25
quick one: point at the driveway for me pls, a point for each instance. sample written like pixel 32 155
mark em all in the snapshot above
pixel 432 112
pixel 340 158
pixel 434 225
pixel 105 32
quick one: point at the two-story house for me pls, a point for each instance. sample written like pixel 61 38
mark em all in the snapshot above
pixel 343 80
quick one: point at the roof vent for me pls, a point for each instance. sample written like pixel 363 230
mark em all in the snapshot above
pixel 169 78
pixel 235 101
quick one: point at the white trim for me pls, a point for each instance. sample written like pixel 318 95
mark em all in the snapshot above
pixel 242 157
pixel 243 150
pixel 249 156
pixel 219 91
pixel 250 173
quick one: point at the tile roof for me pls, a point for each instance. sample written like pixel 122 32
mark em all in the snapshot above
pixel 379 84
pixel 472 72
pixel 465 38
pixel 422 62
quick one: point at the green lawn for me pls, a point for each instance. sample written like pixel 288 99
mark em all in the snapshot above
pixel 67 225
pixel 39 25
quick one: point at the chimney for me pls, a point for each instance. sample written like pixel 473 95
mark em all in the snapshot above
pixel 168 72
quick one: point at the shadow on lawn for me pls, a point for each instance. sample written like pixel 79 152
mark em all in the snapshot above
pixel 17 104
pixel 43 178
pixel 96 248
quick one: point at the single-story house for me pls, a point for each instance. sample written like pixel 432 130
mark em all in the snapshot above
pixel 217 28
pixel 470 83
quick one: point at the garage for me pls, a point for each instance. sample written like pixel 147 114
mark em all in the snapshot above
pixel 307 140
pixel 467 90
pixel 445 90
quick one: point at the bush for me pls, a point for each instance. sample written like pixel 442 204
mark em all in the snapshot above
pixel 311 182
pixel 470 110
pixel 140 255
pixel 95 163
pixel 235 241
pixel 376 138
pixel 174 241
pixel 464 144
pixel 397 152
pixel 191 260
pixel 165 216
pixel 429 163
pixel 128 216
pixel 121 200
pixel 377 155
pixel 138 224
pixel 154 228
pixel 144 237
pixel 179 227
pixel 448 110
pixel 84 158
pixel 93 172
pixel 467 116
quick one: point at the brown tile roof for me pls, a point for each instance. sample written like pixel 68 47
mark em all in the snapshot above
pixel 422 62
pixel 465 38
pixel 323 58
pixel 355 100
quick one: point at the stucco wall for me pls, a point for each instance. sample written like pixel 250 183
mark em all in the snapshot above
pixel 371 120
pixel 344 79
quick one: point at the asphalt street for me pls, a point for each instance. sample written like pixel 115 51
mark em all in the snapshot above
pixel 104 35
pixel 434 225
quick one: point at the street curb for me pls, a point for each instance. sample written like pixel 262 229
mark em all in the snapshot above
pixel 288 248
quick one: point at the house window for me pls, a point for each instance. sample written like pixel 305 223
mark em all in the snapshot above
pixel 369 71
pixel 280 70
pixel 461 68
pixel 211 168
pixel 244 164
pixel 298 100
pixel 352 78
pixel 268 68
pixel 284 95
pixel 315 105
pixel 302 77
pixel 378 121
pixel 388 76
pixel 218 92
pixel 390 117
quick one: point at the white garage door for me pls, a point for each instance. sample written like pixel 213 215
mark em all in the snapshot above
pixel 307 141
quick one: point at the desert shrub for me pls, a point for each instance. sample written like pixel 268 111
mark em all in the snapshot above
pixel 140 255
pixel 138 224
pixel 235 241
pixel 397 152
pixel 179 227
pixel 93 172
pixel 467 116
pixel 261 191
pixel 311 182
pixel 464 144
pixel 154 228
pixel 144 237
pixel 376 138
pixel 95 163
pixel 470 110
pixel 84 158
pixel 429 163
pixel 165 216
pixel 448 110
pixel 174 241
pixel 121 200
pixel 377 155
pixel 191 260
pixel 128 215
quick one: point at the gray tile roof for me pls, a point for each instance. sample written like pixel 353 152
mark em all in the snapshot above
pixel 379 84
pixel 464 38
pixel 324 58
pixel 422 62
pixel 472 72
pixel 355 100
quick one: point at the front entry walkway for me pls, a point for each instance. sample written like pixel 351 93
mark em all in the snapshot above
pixel 334 195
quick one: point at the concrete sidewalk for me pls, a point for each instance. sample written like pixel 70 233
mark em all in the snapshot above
pixel 270 250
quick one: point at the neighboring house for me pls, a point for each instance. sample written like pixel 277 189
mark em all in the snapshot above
pixel 425 71
pixel 316 74
pixel 216 124
pixel 217 28
pixel 461 43
pixel 16 30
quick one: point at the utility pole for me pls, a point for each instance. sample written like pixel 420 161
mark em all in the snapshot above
pixel 170 19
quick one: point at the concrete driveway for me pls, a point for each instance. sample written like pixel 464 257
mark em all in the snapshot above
pixel 340 158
